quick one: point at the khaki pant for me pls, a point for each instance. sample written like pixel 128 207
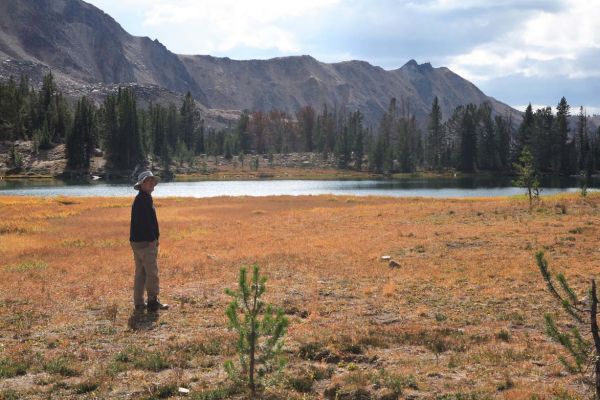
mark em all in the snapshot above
pixel 146 271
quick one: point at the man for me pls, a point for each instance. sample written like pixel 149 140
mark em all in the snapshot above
pixel 143 237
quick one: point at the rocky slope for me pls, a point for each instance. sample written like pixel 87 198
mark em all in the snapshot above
pixel 291 82
pixel 84 46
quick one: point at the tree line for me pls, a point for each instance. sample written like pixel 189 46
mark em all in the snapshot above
pixel 471 139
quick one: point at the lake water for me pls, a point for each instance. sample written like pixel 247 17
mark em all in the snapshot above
pixel 406 187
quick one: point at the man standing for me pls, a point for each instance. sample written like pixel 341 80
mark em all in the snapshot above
pixel 144 242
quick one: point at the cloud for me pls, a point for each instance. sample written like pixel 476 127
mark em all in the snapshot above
pixel 509 48
pixel 560 43
pixel 208 26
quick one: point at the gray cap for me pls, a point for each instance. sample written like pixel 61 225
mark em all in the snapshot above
pixel 143 176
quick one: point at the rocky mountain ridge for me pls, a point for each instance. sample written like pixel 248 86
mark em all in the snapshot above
pixel 84 46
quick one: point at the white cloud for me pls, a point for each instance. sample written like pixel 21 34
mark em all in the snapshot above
pixel 486 42
pixel 549 43
pixel 210 26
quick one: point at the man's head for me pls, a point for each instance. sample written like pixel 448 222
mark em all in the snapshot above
pixel 146 182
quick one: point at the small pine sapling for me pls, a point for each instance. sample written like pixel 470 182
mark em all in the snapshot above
pixel 527 177
pixel 583 353
pixel 260 340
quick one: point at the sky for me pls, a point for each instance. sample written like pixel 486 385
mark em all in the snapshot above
pixel 518 51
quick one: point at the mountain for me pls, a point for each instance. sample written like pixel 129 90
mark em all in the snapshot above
pixel 85 47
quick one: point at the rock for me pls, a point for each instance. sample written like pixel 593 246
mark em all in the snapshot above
pixel 98 152
pixel 386 258
pixel 394 264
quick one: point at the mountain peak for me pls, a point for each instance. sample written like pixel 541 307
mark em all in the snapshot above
pixel 413 65
pixel 83 45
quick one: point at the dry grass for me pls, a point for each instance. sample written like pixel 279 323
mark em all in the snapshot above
pixel 462 314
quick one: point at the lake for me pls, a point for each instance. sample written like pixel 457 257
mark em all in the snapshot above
pixel 471 186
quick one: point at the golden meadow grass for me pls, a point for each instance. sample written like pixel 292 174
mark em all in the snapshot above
pixel 462 315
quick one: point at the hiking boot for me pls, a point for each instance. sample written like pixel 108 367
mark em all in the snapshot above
pixel 155 305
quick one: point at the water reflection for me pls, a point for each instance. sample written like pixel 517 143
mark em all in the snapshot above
pixel 471 186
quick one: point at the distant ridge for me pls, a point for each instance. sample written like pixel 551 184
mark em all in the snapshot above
pixel 82 45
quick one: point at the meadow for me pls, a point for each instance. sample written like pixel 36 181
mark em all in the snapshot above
pixel 460 318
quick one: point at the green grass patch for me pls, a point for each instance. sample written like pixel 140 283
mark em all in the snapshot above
pixel 10 394
pixel 302 383
pixel 86 387
pixel 61 366
pixel 216 394
pixel 503 335
pixel 27 266
pixel 162 392
pixel 395 382
pixel 154 361
pixel 465 396
pixel 74 243
pixel 11 368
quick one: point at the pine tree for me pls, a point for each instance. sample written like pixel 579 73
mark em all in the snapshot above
pixel 244 135
pixel 435 136
pixel 81 140
pixel 376 154
pixel 525 132
pixel 583 145
pixel 561 148
pixel 488 156
pixel 44 140
pixel 342 147
pixel 541 139
pixel 306 120
pixel 158 117
pixel 200 148
pixel 358 135
pixel 260 340
pixel 109 126
pixel 188 121
pixel 581 351
pixel 130 144
pixel 468 139
pixel 527 176
pixel 405 156
pixel 172 127
pixel 502 127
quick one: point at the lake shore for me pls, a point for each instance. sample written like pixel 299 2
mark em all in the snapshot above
pixel 51 164
pixel 462 315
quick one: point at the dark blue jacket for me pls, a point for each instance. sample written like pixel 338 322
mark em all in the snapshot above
pixel 144 225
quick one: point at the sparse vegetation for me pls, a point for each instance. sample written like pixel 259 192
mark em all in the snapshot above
pixel 260 331
pixel 11 368
pixel 457 320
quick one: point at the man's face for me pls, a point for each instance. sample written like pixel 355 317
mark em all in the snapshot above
pixel 148 185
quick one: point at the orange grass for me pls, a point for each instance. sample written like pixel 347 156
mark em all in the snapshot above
pixel 467 273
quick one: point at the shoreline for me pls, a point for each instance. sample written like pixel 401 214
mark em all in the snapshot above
pixel 266 174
